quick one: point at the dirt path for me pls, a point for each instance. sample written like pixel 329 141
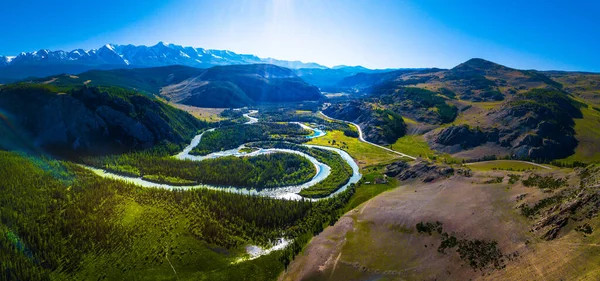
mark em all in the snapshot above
pixel 537 270
pixel 531 163
pixel 335 264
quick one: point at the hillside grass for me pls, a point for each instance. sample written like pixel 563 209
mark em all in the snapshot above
pixel 413 145
pixel 364 153
pixel 507 165
pixel 473 115
pixel 409 120
pixel 364 191
pixel 587 132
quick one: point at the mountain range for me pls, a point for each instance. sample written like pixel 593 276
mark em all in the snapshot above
pixel 131 120
pixel 480 108
pixel 218 86
pixel 110 56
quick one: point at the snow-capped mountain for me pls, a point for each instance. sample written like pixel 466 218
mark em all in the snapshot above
pixel 160 54
pixel 5 60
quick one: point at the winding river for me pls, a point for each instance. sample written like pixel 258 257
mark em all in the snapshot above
pixel 286 192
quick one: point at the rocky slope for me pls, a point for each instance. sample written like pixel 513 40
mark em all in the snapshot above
pixel 492 109
pixel 378 125
pixel 93 121
pixel 391 99
pixel 419 104
pixel 474 80
pixel 533 125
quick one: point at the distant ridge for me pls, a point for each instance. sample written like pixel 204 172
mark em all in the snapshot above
pixel 218 86
pixel 45 62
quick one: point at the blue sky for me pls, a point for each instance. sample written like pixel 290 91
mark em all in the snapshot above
pixel 540 34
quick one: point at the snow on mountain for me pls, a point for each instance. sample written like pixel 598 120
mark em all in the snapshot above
pixel 161 54
pixel 292 64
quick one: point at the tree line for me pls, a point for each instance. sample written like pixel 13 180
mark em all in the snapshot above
pixel 79 223
pixel 262 171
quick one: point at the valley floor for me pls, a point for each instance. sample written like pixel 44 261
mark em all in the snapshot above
pixel 378 241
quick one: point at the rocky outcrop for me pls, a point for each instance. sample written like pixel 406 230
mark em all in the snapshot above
pixel 557 217
pixel 456 138
pixel 575 205
pixel 425 171
pixel 378 126
pixel 535 125
pixel 91 121
pixel 132 132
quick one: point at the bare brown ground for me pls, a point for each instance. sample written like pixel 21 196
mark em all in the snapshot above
pixel 206 114
pixel 50 81
pixel 378 240
pixel 483 150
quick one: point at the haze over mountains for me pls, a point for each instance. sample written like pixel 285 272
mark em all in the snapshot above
pixel 219 86
pixel 529 114
pixel 46 62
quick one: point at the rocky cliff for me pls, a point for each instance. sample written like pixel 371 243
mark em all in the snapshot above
pixel 94 121
pixel 378 125
pixel 534 125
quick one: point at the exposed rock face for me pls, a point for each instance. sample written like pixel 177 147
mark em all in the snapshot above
pixel 559 216
pixel 455 138
pixel 134 132
pixel 90 121
pixel 422 170
pixel 378 126
pixel 536 125
pixel 576 205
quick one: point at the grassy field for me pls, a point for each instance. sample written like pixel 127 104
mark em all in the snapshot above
pixel 364 153
pixel 409 121
pixel 414 145
pixel 507 165
pixel 366 191
pixel 587 132
pixel 303 112
pixel 473 115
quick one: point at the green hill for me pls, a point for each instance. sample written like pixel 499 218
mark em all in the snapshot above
pixel 220 86
pixel 93 120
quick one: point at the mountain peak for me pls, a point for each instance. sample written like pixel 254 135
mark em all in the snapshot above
pixel 116 56
pixel 109 46
pixel 162 44
pixel 478 63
